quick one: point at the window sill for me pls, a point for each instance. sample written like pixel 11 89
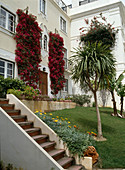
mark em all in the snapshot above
pixel 63 32
pixel 4 30
pixel 64 91
pixel 43 15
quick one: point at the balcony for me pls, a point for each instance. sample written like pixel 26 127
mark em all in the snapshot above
pixel 85 2
pixel 62 5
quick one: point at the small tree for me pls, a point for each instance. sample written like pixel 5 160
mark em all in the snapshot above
pixel 90 64
pixel 120 89
pixel 98 30
pixel 101 31
pixel 110 84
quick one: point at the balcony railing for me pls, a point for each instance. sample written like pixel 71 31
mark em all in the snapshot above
pixel 85 2
pixel 62 5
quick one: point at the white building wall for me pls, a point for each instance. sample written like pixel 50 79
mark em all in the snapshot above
pixel 113 11
pixel 48 22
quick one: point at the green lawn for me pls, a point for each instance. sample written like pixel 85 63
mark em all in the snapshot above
pixel 112 151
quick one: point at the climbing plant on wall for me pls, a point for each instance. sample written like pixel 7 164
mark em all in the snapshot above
pixel 28 51
pixel 56 62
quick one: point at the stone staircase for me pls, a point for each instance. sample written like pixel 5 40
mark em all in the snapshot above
pixel 42 139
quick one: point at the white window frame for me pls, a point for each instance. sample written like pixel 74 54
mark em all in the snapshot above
pixel 41 40
pixel 5 74
pixel 65 88
pixel 7 25
pixel 63 24
pixel 65 58
pixel 43 6
pixel 45 42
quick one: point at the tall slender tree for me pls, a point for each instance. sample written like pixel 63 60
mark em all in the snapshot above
pixel 120 89
pixel 90 64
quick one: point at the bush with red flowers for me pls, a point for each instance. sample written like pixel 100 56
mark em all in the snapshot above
pixel 98 29
pixel 28 51
pixel 56 62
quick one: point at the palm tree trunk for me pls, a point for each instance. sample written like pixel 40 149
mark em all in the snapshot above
pixel 114 102
pixel 121 105
pixel 98 117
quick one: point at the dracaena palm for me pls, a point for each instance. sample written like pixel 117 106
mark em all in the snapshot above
pixel 89 65
pixel 120 89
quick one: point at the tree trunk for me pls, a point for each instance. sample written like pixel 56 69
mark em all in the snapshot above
pixel 114 102
pixel 121 105
pixel 98 117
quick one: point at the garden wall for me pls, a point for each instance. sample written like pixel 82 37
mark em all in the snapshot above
pixel 47 106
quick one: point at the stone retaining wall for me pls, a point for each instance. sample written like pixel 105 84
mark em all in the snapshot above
pixel 47 106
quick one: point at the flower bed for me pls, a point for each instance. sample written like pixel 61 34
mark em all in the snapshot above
pixel 76 141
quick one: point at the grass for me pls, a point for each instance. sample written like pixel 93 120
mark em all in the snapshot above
pixel 112 151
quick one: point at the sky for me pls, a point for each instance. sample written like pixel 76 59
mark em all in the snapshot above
pixel 67 2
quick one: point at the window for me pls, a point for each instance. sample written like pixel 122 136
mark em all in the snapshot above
pixel 6 69
pixel 7 20
pixel 85 2
pixel 43 6
pixel 65 58
pixel 41 40
pixel 65 88
pixel 63 24
pixel 45 42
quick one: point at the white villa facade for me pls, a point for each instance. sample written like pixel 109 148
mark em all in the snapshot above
pixel 114 11
pixel 55 16
pixel 50 17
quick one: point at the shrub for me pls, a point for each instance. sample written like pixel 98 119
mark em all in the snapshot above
pixel 98 29
pixel 81 99
pixel 8 167
pixel 29 93
pixel 9 83
pixel 76 141
pixel 17 93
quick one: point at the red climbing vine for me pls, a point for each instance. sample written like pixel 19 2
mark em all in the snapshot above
pixel 28 51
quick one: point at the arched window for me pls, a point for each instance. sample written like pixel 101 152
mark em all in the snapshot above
pixel 45 42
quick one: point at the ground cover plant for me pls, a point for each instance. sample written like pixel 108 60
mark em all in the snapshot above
pixel 76 141
pixel 112 151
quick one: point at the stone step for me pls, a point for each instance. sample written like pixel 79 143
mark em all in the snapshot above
pixel 13 112
pixel 4 101
pixel 57 153
pixel 33 131
pixel 19 118
pixel 76 167
pixel 65 162
pixel 7 106
pixel 48 146
pixel 26 125
pixel 40 138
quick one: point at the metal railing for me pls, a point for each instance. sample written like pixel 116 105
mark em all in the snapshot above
pixel 85 2
pixel 62 5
